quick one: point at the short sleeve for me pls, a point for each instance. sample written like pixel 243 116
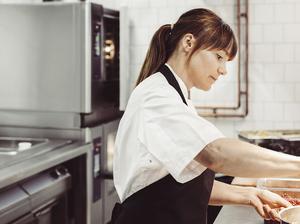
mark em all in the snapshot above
pixel 172 132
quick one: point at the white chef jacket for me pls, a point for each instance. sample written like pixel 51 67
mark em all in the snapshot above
pixel 159 135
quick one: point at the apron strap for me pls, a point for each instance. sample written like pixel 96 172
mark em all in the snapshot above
pixel 172 80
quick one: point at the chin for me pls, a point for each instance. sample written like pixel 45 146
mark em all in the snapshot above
pixel 204 88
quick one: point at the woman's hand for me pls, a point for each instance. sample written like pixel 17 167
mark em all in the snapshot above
pixel 267 204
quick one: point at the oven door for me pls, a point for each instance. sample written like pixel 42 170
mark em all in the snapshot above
pixel 45 61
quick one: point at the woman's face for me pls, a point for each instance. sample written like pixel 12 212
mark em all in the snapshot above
pixel 205 67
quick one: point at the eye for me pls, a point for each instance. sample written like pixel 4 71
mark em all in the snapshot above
pixel 219 57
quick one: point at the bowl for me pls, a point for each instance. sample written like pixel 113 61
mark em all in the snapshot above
pixel 290 215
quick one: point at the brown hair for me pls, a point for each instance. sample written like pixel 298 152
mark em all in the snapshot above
pixel 210 31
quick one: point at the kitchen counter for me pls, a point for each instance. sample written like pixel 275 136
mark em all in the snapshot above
pixel 21 170
pixel 235 214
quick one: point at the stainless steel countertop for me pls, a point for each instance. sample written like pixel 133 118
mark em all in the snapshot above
pixel 19 171
pixel 233 214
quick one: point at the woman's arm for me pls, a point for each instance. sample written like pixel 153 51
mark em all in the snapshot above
pixel 265 202
pixel 237 158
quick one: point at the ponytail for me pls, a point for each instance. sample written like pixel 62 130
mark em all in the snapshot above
pixel 157 53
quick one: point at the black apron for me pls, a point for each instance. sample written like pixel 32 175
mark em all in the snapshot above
pixel 166 201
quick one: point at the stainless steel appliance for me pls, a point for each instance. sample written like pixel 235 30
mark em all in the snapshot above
pixel 42 168
pixel 41 199
pixel 60 78
pixel 16 149
pixel 60 57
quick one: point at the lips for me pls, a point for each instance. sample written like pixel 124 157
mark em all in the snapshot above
pixel 213 78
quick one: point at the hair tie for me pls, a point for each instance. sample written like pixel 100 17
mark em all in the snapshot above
pixel 171 28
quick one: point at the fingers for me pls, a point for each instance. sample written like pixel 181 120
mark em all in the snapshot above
pixel 266 209
pixel 270 213
pixel 256 203
pixel 268 204
pixel 273 200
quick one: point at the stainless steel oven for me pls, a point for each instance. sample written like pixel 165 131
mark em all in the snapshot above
pixel 60 57
pixel 59 66
pixel 41 199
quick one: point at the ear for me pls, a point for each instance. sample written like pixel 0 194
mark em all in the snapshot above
pixel 188 42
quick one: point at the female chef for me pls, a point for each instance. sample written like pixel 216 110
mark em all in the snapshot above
pixel 166 155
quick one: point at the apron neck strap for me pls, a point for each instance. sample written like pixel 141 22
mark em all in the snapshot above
pixel 172 80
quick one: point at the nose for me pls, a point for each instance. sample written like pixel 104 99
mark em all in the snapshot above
pixel 222 70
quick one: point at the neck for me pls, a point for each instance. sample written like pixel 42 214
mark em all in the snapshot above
pixel 178 64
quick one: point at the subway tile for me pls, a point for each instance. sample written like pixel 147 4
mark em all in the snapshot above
pixel 195 4
pixel 297 52
pixel 263 13
pixel 167 16
pixel 297 8
pixel 256 72
pixel 263 125
pixel 227 13
pixel 214 2
pixel 297 92
pixel 261 92
pixel 272 33
pixel 256 111
pixel 274 72
pixel 280 1
pixel 273 111
pixel 134 71
pixel 256 33
pixel 243 125
pixel 291 32
pixel 257 2
pixel 283 125
pixel 158 3
pixel 284 92
pixel 291 112
pixel 138 54
pixel 176 3
pixel 148 17
pixel 284 13
pixel 292 72
pixel 296 125
pixel 225 126
pixel 261 53
pixel 140 36
pixel 138 3
pixel 284 53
